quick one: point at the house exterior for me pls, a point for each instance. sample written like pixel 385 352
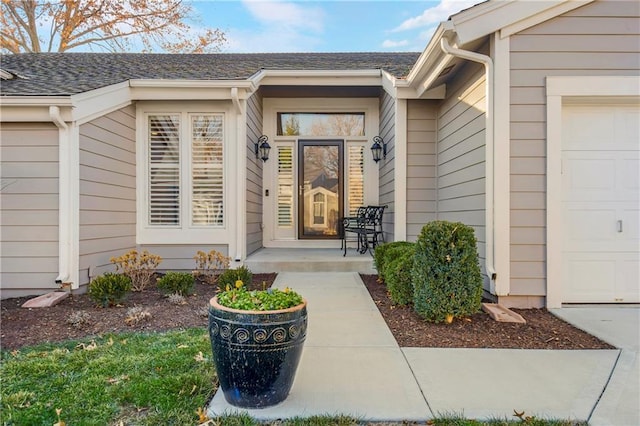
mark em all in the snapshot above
pixel 519 118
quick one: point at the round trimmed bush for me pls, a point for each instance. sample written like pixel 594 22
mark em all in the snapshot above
pixel 446 273
pixel 381 254
pixel 176 283
pixel 397 274
pixel 109 289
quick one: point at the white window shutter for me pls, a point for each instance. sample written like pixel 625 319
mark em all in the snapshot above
pixel 164 170
pixel 207 166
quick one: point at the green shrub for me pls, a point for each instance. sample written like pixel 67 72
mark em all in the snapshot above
pixel 227 279
pixel 446 273
pixel 176 283
pixel 380 254
pixel 397 273
pixel 109 289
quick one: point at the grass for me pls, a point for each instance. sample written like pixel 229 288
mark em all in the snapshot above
pixel 141 379
pixel 133 378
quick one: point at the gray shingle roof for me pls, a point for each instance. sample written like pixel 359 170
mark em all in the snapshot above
pixel 55 74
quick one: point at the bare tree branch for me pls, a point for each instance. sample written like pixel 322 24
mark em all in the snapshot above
pixel 105 24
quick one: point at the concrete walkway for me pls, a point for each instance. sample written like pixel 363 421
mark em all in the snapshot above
pixel 352 365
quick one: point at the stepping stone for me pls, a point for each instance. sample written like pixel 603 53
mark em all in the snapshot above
pixel 46 300
pixel 502 314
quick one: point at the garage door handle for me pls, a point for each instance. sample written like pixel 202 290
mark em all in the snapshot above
pixel 619 226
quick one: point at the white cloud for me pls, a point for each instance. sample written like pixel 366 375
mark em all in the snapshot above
pixel 280 26
pixel 390 44
pixel 286 14
pixel 435 15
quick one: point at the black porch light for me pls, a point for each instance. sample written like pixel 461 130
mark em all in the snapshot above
pixel 262 148
pixel 378 149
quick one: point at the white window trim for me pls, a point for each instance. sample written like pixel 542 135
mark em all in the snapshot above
pixel 580 89
pixel 185 233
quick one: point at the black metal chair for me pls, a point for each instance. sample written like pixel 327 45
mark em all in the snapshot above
pixel 367 228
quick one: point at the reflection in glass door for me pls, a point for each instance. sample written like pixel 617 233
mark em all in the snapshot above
pixel 320 203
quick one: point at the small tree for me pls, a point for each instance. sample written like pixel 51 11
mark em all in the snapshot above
pixel 446 273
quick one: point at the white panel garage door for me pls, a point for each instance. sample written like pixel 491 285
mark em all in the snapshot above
pixel 601 215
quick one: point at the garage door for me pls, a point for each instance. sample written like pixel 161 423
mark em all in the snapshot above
pixel 601 215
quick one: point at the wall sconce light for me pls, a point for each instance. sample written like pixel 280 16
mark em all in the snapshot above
pixel 262 148
pixel 378 149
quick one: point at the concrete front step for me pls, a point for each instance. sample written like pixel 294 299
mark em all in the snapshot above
pixel 309 260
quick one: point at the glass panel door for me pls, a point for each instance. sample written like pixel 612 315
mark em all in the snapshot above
pixel 320 202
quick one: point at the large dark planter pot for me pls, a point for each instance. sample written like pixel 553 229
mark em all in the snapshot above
pixel 256 353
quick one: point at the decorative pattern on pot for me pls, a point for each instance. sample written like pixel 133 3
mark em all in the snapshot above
pixel 256 353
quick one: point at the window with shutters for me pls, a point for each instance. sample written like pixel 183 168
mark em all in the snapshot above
pixel 185 171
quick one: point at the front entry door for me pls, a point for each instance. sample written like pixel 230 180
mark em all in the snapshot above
pixel 320 200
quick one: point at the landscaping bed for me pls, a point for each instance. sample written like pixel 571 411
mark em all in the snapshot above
pixel 78 317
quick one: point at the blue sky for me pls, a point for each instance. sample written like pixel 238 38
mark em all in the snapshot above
pixel 326 26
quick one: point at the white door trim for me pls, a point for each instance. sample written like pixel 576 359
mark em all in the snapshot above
pixel 571 89
pixel 370 106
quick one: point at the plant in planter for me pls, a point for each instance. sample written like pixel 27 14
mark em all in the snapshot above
pixel 257 339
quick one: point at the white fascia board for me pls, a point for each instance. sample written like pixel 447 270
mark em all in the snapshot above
pixel 99 102
pixel 429 56
pixel 317 78
pixel 33 108
pixel 190 84
pixel 390 84
pixel 147 90
pixel 489 17
pixel 428 67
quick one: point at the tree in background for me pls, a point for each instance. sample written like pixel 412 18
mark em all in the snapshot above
pixel 112 25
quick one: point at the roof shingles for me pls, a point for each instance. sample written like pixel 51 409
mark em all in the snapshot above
pixel 60 74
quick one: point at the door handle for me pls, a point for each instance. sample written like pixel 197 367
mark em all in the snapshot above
pixel 300 190
pixel 619 226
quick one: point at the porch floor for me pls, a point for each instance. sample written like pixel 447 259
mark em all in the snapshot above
pixel 309 260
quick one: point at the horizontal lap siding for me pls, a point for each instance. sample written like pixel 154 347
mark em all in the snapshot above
pixel 29 208
pixel 421 165
pixel 461 153
pixel 386 166
pixel 180 257
pixel 107 190
pixel 599 39
pixel 254 175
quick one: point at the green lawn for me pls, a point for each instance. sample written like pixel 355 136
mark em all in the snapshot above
pixel 134 379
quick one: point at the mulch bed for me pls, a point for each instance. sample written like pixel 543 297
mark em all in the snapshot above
pixel 25 327
pixel 543 330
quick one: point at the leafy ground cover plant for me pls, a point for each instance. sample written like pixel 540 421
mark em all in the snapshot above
pixel 258 300
pixel 109 289
pixel 446 273
pixel 176 283
pixel 140 267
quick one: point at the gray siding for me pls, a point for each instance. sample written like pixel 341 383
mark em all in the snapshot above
pixel 597 39
pixel 254 175
pixel 29 209
pixel 421 165
pixel 107 190
pixel 386 166
pixel 180 257
pixel 461 152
